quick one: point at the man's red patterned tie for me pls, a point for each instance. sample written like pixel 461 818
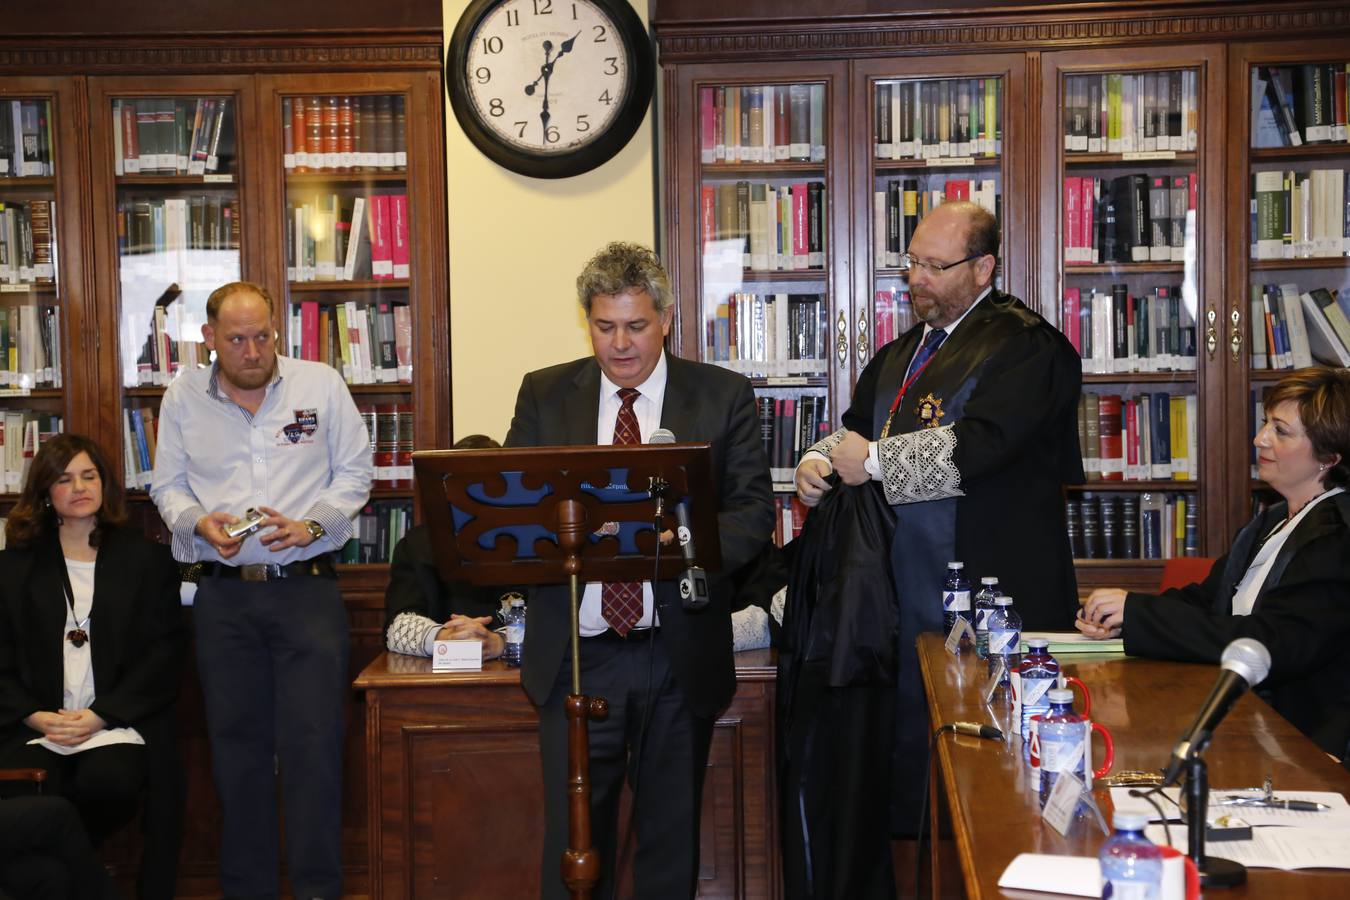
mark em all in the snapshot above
pixel 621 601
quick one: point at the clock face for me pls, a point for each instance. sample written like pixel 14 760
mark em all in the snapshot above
pixel 547 76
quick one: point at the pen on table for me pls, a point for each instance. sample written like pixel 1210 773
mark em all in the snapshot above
pixel 1296 805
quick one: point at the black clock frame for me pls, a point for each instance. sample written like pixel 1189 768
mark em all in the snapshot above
pixel 640 60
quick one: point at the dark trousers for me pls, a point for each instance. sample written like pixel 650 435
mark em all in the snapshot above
pixel 104 783
pixel 666 777
pixel 45 854
pixel 273 663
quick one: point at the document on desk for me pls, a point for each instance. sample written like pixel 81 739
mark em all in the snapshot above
pixel 1335 818
pixel 1274 848
pixel 1062 642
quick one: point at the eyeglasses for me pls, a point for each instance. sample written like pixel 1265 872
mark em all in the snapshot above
pixel 909 262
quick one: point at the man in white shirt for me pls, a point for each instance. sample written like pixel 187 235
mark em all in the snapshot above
pixel 657 664
pixel 282 436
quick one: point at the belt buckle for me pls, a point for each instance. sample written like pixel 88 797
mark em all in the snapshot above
pixel 254 572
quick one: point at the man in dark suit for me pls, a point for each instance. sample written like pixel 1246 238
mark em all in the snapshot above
pixel 968 425
pixel 666 672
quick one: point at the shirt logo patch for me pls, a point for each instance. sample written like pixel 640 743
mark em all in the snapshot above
pixel 301 431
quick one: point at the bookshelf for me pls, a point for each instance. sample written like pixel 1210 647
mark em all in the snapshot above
pixel 1293 161
pixel 1126 279
pixel 123 234
pixel 1053 65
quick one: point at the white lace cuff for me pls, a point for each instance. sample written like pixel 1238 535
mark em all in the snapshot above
pixel 917 466
pixel 825 446
pixel 408 634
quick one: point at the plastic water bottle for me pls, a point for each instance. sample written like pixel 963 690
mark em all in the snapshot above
pixel 1005 637
pixel 515 632
pixel 984 605
pixel 1036 676
pixel 1131 863
pixel 1063 737
pixel 955 598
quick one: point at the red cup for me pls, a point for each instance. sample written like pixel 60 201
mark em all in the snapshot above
pixel 1070 680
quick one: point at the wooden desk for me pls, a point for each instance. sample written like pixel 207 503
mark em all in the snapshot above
pixel 1147 705
pixel 455 800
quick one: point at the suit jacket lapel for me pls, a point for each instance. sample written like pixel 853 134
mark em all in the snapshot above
pixel 581 406
pixel 678 413
pixel 47 606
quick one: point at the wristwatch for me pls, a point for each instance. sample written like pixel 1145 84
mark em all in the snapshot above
pixel 315 529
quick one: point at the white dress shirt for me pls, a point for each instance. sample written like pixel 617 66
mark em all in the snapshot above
pixel 647 408
pixel 305 453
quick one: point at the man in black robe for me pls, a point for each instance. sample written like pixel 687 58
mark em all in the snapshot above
pixel 968 425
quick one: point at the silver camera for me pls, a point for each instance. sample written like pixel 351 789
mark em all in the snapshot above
pixel 250 523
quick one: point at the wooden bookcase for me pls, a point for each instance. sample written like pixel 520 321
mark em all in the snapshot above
pixel 106 290
pixel 1037 55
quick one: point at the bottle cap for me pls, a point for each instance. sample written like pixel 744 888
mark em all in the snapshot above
pixel 956 565
pixel 1037 643
pixel 989 579
pixel 1003 601
pixel 1129 819
pixel 1059 695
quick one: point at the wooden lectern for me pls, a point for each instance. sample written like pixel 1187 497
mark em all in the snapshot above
pixel 477 505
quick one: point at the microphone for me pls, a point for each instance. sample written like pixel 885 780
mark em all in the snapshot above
pixel 974 729
pixel 1245 663
pixel 693 581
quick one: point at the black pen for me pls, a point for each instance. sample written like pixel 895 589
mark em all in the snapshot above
pixel 1291 805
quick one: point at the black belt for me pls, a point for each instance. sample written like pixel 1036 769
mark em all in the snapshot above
pixel 609 634
pixel 320 565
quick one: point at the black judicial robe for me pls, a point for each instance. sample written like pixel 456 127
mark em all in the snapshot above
pixel 1007 383
pixel 1301 614
pixel 836 701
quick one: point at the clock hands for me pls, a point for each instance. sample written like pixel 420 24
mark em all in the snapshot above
pixel 545 73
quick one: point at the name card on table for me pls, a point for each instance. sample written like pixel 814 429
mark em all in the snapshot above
pixel 457 656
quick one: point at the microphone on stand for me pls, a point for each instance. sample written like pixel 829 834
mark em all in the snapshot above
pixel 693 580
pixel 1245 663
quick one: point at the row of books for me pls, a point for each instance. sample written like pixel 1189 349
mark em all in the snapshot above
pixel 789 517
pixel 1120 332
pixel 789 425
pixel 778 227
pixel 172 135
pixel 1292 329
pixel 30 346
pixel 1130 218
pixel 140 428
pixel 762 123
pixel 1146 437
pixel 770 335
pixel 174 227
pixel 893 315
pixel 1142 112
pixel 1124 525
pixel 1297 105
pixel 23 432
pixel 369 343
pixel 379 528
pixel 390 427
pixel 1300 215
pixel 171 344
pixel 939 119
pixel 27 242
pixel 899 205
pixel 26 139
pixel 335 237
pixel 363 133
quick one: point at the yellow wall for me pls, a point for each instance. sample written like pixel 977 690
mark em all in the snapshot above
pixel 516 245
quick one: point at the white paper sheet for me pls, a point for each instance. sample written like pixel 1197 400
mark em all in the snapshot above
pixel 1274 848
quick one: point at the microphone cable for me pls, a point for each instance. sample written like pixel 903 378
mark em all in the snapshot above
pixel 973 729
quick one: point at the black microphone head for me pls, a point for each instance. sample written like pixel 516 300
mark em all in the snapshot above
pixel 1248 658
pixel 661 436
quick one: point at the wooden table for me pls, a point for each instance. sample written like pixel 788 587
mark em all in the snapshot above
pixel 1147 705
pixel 455 799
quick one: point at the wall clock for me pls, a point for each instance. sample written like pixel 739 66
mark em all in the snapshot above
pixel 549 88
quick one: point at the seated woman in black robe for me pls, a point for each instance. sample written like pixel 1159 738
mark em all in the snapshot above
pixel 1286 579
